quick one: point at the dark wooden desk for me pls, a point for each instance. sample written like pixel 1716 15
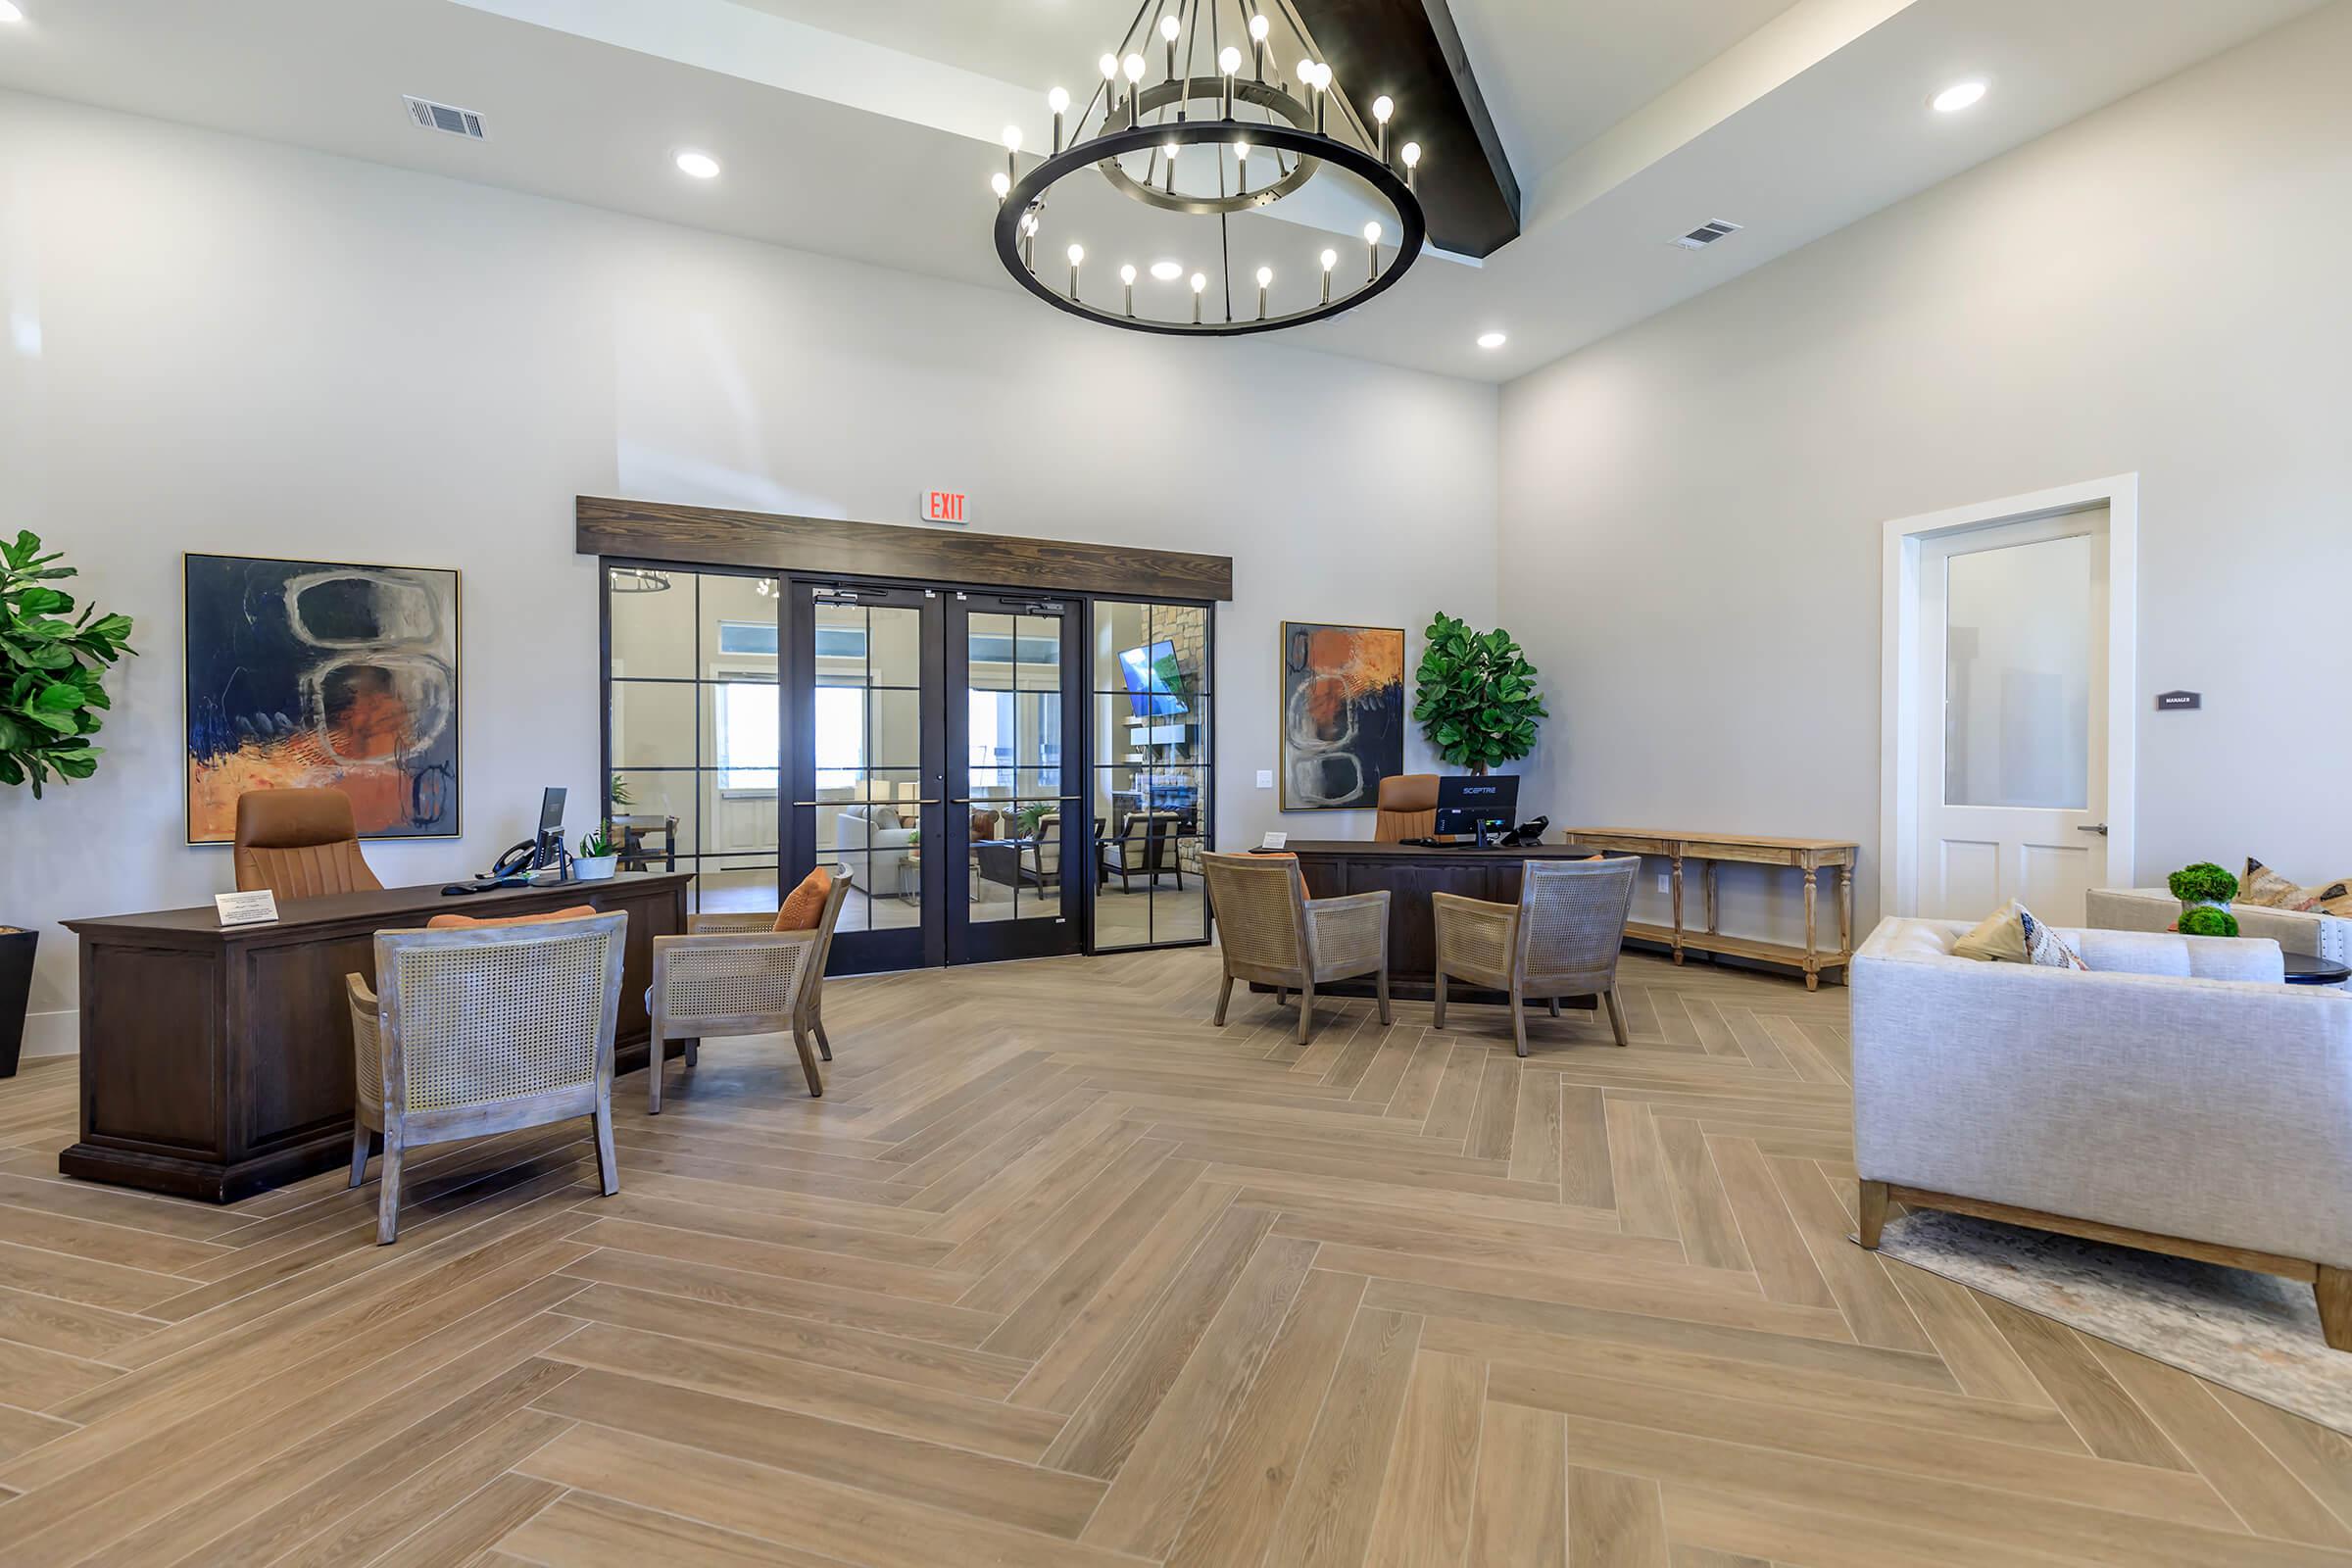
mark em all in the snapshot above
pixel 1410 873
pixel 218 1063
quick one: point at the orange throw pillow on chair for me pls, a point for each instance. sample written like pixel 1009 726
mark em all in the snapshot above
pixel 805 904
pixel 458 922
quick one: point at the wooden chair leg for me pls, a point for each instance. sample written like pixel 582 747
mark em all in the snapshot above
pixel 608 1167
pixel 1224 995
pixel 1307 1011
pixel 387 1202
pixel 1871 1202
pixel 655 1049
pixel 824 1047
pixel 359 1151
pixel 817 1081
pixel 1436 1004
pixel 2333 1288
pixel 1282 995
pixel 1616 1017
pixel 1387 1016
pixel 1518 1023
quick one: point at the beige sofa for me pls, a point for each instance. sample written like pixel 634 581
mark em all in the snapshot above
pixel 2314 935
pixel 2174 1098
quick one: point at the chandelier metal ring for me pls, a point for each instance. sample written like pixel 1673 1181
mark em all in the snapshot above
pixel 1203 89
pixel 1031 190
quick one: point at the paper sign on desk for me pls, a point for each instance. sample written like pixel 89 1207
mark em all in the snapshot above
pixel 1275 841
pixel 246 908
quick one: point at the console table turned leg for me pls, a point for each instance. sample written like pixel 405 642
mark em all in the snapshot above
pixel 1845 913
pixel 1677 861
pixel 1812 951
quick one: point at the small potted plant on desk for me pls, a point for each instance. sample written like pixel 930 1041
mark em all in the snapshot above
pixel 2204 891
pixel 597 858
pixel 52 670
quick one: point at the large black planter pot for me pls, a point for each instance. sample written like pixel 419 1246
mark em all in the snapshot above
pixel 16 994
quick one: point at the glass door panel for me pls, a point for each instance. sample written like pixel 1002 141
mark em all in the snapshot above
pixel 1151 777
pixel 861 765
pixel 1023 831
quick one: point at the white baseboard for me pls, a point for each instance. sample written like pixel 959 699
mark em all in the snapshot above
pixel 52 1034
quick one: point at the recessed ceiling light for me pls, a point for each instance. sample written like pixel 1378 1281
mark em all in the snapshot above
pixel 702 166
pixel 10 11
pixel 1958 96
pixel 1168 271
pixel 1491 341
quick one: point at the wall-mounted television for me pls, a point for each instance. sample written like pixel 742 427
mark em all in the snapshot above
pixel 1154 685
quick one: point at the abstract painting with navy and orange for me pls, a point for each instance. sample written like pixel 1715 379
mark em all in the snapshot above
pixel 1343 714
pixel 309 674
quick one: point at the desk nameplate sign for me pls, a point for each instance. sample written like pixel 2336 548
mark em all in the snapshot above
pixel 246 908
pixel 1275 841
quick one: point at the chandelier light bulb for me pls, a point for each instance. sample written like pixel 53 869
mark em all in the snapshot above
pixel 1012 138
pixel 1265 275
pixel 1133 66
pixel 1383 107
pixel 1108 64
pixel 1077 254
pixel 1371 233
pixel 1412 154
pixel 1170 149
pixel 1168 271
pixel 1000 183
pixel 1057 100
pixel 1199 282
pixel 1229 59
pixel 1323 78
pixel 1241 150
pixel 1258 28
pixel 1330 259
pixel 1127 275
pixel 1307 72
pixel 1169 28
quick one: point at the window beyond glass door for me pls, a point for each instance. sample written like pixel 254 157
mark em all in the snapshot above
pixel 2017 676
pixel 1153 780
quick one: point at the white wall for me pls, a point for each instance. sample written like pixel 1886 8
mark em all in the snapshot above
pixel 225 345
pixel 1691 510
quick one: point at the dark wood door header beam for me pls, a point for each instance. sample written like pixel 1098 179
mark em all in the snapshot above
pixel 653 531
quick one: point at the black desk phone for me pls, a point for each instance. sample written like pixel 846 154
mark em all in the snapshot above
pixel 1527 835
pixel 515 867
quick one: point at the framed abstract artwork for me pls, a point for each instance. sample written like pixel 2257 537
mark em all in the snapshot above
pixel 1343 714
pixel 317 673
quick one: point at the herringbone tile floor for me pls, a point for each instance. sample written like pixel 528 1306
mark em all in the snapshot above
pixel 1058 1274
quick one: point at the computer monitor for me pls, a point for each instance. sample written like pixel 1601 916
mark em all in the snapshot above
pixel 1482 807
pixel 550 850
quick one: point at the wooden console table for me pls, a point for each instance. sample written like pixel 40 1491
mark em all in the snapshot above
pixel 1806 855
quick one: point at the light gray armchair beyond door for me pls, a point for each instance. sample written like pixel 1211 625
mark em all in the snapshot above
pixel 1269 931
pixel 1562 939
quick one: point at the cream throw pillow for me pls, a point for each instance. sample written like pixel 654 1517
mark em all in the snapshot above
pixel 2263 886
pixel 2011 935
pixel 1999 938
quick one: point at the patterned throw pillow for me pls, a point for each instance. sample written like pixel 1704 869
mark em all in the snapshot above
pixel 2046 947
pixel 2334 898
pixel 2267 887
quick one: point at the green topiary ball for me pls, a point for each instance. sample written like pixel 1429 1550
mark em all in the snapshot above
pixel 2202 883
pixel 2207 923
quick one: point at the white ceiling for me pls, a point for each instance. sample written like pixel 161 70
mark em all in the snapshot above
pixel 866 128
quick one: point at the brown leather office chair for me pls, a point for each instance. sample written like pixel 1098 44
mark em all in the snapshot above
pixel 1408 808
pixel 299 844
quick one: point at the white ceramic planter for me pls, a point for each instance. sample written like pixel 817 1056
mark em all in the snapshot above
pixel 585 868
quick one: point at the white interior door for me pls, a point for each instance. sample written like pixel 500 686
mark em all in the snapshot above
pixel 2012 732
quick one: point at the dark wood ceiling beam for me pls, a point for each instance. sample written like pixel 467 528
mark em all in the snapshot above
pixel 1410 50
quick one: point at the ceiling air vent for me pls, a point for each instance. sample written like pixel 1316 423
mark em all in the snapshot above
pixel 431 116
pixel 1707 234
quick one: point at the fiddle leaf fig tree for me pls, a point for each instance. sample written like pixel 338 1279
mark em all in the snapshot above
pixel 1475 696
pixel 52 668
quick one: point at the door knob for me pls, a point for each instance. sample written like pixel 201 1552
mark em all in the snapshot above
pixel 2100 828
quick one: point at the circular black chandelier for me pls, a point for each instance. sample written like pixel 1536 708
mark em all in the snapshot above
pixel 1220 89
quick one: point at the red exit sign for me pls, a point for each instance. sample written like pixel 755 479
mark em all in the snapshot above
pixel 942 506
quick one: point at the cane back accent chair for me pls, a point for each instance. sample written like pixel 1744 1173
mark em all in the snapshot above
pixel 299 844
pixel 735 974
pixel 486 1030
pixel 1560 940
pixel 1271 932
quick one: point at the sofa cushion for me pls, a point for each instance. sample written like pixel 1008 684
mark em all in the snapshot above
pixel 2266 887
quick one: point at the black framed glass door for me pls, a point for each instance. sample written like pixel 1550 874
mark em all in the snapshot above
pixel 864 760
pixel 1019 834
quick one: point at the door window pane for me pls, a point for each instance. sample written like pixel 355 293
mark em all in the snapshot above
pixel 2017 676
pixel 652 614
pixel 652 724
